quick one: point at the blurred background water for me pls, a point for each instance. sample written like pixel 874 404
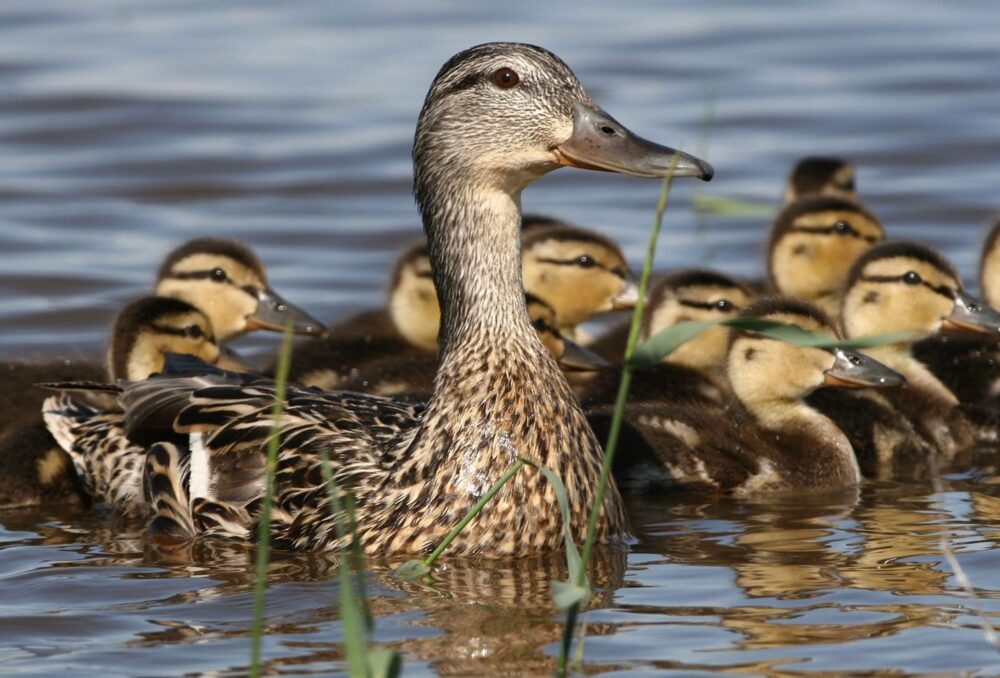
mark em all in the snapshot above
pixel 126 128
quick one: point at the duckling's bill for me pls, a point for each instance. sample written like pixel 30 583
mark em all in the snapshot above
pixel 856 370
pixel 577 358
pixel 969 315
pixel 274 313
pixel 599 142
pixel 627 298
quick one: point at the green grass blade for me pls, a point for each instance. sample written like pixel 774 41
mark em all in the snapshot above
pixel 731 207
pixel 663 343
pixel 616 420
pixel 264 535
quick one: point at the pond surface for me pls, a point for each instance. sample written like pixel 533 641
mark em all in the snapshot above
pixel 126 128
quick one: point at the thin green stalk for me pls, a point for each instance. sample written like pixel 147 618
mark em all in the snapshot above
pixel 264 537
pixel 616 420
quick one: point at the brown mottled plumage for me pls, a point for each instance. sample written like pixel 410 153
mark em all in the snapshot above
pixel 497 117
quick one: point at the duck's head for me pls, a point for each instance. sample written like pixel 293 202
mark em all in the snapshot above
pixel 814 242
pixel 989 267
pixel 817 175
pixel 765 372
pixel 413 303
pixel 571 356
pixel 229 283
pixel 578 272
pixel 149 328
pixel 904 286
pixel 499 115
pixel 696 295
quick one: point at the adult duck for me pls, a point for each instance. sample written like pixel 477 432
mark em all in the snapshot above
pixel 497 117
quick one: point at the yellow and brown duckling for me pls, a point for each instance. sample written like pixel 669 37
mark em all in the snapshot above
pixel 764 437
pixel 413 377
pixel 819 175
pixel 814 242
pixel 970 365
pixel 578 273
pixel 497 117
pixel 696 294
pixel 906 287
pixel 36 470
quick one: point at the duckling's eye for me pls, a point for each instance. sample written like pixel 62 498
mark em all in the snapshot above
pixel 218 275
pixel 912 278
pixel 194 331
pixel 586 261
pixel 842 227
pixel 724 305
pixel 505 78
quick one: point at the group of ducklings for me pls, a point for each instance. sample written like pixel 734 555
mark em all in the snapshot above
pixel 478 359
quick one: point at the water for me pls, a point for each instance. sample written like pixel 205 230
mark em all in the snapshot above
pixel 126 128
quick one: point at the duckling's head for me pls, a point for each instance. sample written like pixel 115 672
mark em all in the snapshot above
pixel 149 328
pixel 571 356
pixel 696 295
pixel 989 268
pixel 228 282
pixel 817 175
pixel 413 302
pixel 904 286
pixel 578 272
pixel 499 115
pixel 766 373
pixel 814 242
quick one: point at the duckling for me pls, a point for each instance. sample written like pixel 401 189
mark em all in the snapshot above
pixel 36 470
pixel 764 437
pixel 690 294
pixel 577 272
pixel 497 117
pixel 970 365
pixel 222 277
pixel 814 242
pixel 908 287
pixel 817 175
pixel 414 377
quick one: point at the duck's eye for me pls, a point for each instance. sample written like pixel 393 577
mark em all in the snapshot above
pixel 218 275
pixel 586 261
pixel 505 78
pixel 724 305
pixel 194 331
pixel 912 278
pixel 842 227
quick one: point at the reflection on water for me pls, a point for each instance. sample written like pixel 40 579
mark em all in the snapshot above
pixel 127 128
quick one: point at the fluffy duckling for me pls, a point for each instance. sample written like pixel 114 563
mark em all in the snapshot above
pixel 814 242
pixel 970 365
pixel 36 470
pixel 688 295
pixel 764 437
pixel 908 287
pixel 497 117
pixel 817 175
pixel 413 377
pixel 578 273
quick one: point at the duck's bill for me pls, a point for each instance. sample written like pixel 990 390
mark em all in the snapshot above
pixel 599 142
pixel 969 315
pixel 233 361
pixel 856 370
pixel 627 298
pixel 274 313
pixel 577 358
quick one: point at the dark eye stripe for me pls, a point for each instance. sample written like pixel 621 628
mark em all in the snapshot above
pixel 943 290
pixel 706 305
pixel 832 230
pixel 575 261
pixel 174 331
